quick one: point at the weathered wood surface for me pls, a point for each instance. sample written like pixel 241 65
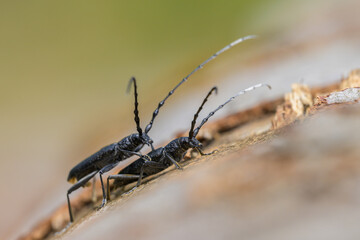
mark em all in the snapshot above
pixel 315 51
pixel 292 173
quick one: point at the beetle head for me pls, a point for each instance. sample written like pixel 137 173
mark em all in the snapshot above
pixel 147 140
pixel 190 142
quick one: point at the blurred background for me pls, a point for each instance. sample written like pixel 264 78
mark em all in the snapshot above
pixel 65 65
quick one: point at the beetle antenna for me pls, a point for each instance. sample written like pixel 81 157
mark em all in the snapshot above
pixel 136 111
pixel 156 112
pixel 214 89
pixel 196 131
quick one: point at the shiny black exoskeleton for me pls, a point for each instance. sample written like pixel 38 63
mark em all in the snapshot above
pixel 161 158
pixel 172 153
pixel 108 157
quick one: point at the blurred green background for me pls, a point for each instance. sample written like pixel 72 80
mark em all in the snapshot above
pixel 64 67
pixel 76 52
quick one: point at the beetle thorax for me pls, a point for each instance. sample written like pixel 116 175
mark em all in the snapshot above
pixel 187 143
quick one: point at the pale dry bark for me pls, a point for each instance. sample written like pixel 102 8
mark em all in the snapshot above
pixel 285 169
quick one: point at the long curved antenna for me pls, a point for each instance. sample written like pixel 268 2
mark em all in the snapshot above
pixel 156 112
pixel 196 131
pixel 136 111
pixel 199 110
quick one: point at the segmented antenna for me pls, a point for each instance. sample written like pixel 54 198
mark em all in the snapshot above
pixel 199 110
pixel 156 112
pixel 136 111
pixel 196 131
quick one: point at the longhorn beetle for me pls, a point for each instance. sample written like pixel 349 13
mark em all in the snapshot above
pixel 108 157
pixel 173 152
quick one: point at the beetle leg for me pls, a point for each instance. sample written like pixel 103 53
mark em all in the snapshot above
pixel 93 193
pixel 101 172
pixel 145 157
pixel 148 165
pixel 118 176
pixel 139 148
pixel 103 191
pixel 205 154
pixel 177 165
pixel 77 185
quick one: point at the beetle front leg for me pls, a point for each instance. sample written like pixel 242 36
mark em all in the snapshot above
pixel 145 157
pixel 205 154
